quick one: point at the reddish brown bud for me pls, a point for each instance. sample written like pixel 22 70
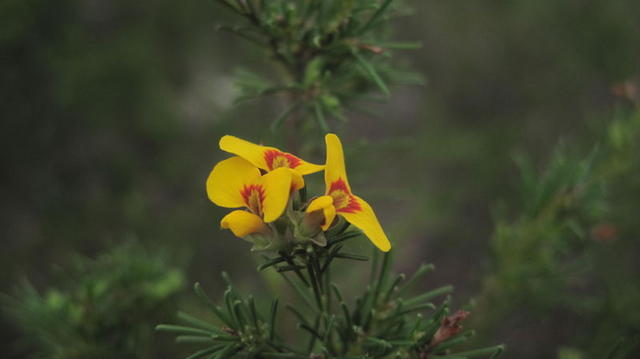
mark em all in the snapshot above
pixel 375 49
pixel 449 327
pixel 627 90
pixel 604 232
pixel 228 330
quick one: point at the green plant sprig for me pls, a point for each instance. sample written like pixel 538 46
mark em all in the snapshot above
pixel 331 53
pixel 381 322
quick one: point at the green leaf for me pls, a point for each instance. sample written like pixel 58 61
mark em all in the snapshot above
pixel 228 351
pixel 284 355
pixel 429 295
pixel 182 329
pixel 375 17
pixel 282 269
pixel 272 320
pixel 270 262
pixel 373 74
pixel 299 290
pixel 193 339
pixel 196 322
pixel 343 237
pixel 399 45
pixel 203 352
pixel 355 257
pixel 399 278
pixel 275 125
pixel 319 115
pixel 417 308
pixel 497 349
pixel 424 269
pixel 214 308
pixel 458 339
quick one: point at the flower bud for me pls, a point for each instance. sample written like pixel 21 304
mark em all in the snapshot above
pixel 307 226
pixel 450 326
pixel 312 223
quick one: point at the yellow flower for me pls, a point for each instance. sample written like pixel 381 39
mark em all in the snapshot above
pixel 235 183
pixel 339 200
pixel 266 158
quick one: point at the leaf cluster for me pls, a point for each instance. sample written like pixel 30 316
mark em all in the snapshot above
pixel 384 321
pixel 331 53
pixel 101 308
pixel 570 245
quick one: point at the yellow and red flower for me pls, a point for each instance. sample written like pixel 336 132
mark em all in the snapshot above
pixel 236 183
pixel 339 200
pixel 266 158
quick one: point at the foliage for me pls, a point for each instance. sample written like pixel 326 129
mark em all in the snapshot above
pixel 383 321
pixel 106 105
pixel 624 347
pixel 570 247
pixel 101 308
pixel 331 53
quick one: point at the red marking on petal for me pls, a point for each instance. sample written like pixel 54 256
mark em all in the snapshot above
pixel 352 207
pixel 343 200
pixel 276 159
pixel 253 196
pixel 339 185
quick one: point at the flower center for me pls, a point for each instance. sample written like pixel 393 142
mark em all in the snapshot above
pixel 343 200
pixel 276 159
pixel 279 161
pixel 340 199
pixel 253 196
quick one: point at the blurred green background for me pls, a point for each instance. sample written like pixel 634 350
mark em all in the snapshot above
pixel 514 169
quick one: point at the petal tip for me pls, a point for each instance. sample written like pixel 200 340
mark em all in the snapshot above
pixel 385 247
pixel 330 136
pixel 224 141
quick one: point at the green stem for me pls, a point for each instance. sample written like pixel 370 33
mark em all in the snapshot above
pixel 297 271
pixel 382 277
pixel 315 286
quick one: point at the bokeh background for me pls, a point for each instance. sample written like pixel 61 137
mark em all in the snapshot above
pixel 111 112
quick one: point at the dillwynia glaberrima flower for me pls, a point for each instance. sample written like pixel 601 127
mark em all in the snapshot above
pixel 236 183
pixel 266 158
pixel 339 200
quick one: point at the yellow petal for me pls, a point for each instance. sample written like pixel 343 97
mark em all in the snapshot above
pixel 297 182
pixel 365 219
pixel 228 178
pixel 243 223
pixel 324 203
pixel 245 149
pixel 266 158
pixel 334 167
pixel 305 168
pixel 319 203
pixel 329 216
pixel 277 187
